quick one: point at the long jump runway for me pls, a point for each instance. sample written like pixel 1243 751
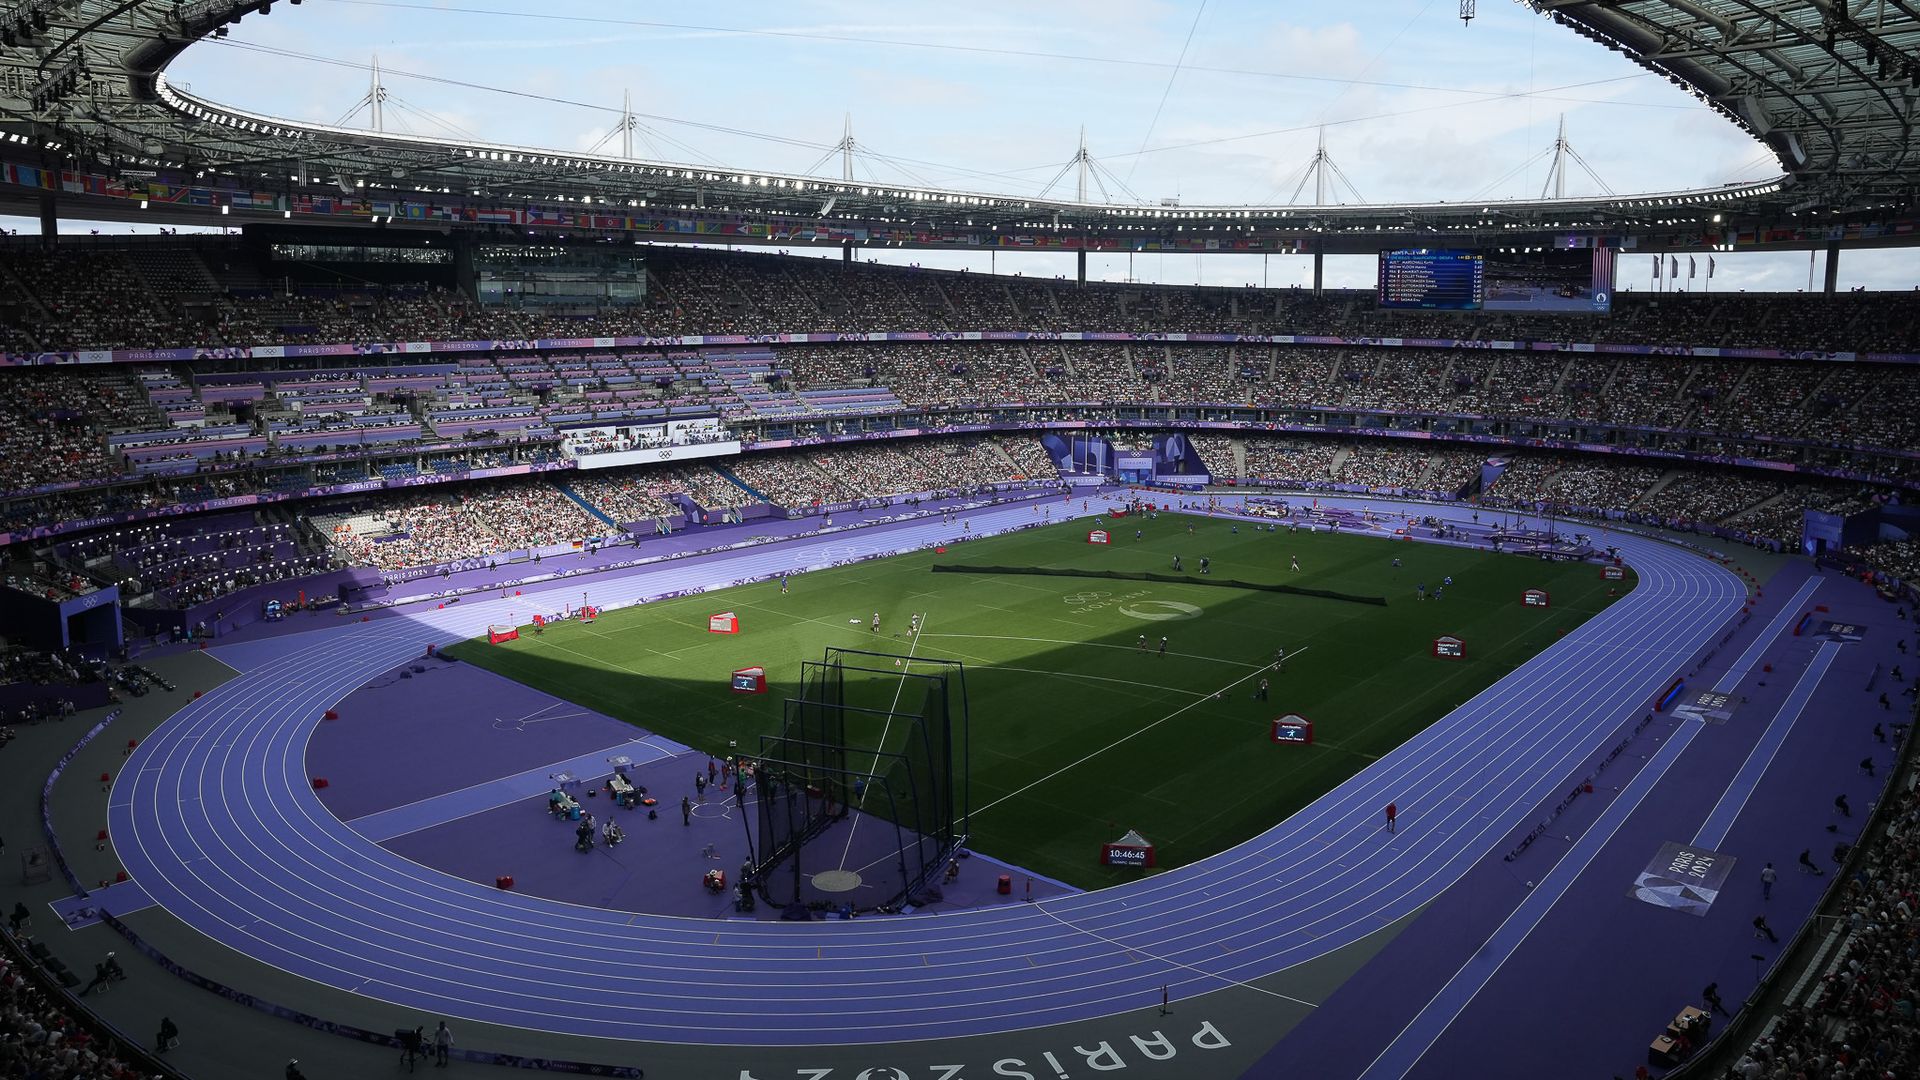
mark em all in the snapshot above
pixel 216 819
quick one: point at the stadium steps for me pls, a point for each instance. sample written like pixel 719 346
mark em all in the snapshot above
pixel 17 289
pixel 1566 372
pixel 567 490
pixel 1693 372
pixel 944 298
pixel 1425 481
pixel 727 475
pixel 1666 478
pixel 1613 373
pixel 1813 393
pixel 1764 504
pixel 1339 465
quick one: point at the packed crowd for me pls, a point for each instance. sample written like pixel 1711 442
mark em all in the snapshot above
pixel 1304 461
pixel 97 298
pixel 1859 1022
pixel 1218 453
pixel 1711 496
pixel 849 473
pixel 422 526
pixel 628 496
pixel 52 427
pixel 1898 560
pixel 53 424
pixel 1784 516
pixel 1560 480
pixel 1411 468
pixel 43 1038
pixel 1030 460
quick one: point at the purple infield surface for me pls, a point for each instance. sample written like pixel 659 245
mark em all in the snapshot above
pixel 450 766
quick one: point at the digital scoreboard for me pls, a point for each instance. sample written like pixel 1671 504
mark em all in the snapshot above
pixel 1432 279
pixel 1576 274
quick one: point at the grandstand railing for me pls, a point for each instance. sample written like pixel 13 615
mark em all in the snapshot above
pixel 181 354
pixel 1251 420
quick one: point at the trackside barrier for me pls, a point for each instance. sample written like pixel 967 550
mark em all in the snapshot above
pixel 1583 786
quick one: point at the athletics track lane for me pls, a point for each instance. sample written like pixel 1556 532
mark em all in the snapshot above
pixel 219 825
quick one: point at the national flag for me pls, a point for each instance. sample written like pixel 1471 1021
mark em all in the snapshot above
pixel 1656 268
pixel 1690 268
pixel 1673 266
pixel 1709 267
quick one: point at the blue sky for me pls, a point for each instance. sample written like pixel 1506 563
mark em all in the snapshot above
pixel 1210 101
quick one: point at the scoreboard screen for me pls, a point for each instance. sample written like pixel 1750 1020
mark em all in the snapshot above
pixel 1576 277
pixel 1432 279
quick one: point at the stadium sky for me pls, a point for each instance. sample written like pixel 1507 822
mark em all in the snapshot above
pixel 1209 101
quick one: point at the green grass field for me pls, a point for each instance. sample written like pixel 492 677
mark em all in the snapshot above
pixel 1055 674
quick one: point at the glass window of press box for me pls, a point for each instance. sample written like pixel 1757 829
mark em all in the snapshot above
pixel 526 277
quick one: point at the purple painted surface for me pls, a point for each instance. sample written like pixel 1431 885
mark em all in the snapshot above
pixel 591 768
pixel 1615 969
pixel 399 740
pixel 120 900
pixel 389 748
pixel 659 867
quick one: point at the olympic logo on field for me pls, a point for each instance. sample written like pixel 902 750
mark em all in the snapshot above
pixel 1159 610
pixel 1085 597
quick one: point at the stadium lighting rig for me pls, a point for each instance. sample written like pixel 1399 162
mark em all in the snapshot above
pixel 28 24
pixel 64 81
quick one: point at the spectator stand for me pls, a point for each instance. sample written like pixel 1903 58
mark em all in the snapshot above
pixel 1811 1000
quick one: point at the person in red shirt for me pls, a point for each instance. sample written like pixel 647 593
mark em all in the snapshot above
pixel 1393 812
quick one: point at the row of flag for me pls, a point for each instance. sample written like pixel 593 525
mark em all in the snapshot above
pixel 1673 269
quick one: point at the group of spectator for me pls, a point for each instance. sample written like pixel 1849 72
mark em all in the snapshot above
pixel 849 473
pixel 1295 460
pixel 179 563
pixel 43 1039
pixel 52 427
pixel 98 298
pixel 53 424
pixel 1860 1019
pixel 422 526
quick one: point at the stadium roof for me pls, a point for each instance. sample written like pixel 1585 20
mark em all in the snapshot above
pixel 83 88
pixel 1831 86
